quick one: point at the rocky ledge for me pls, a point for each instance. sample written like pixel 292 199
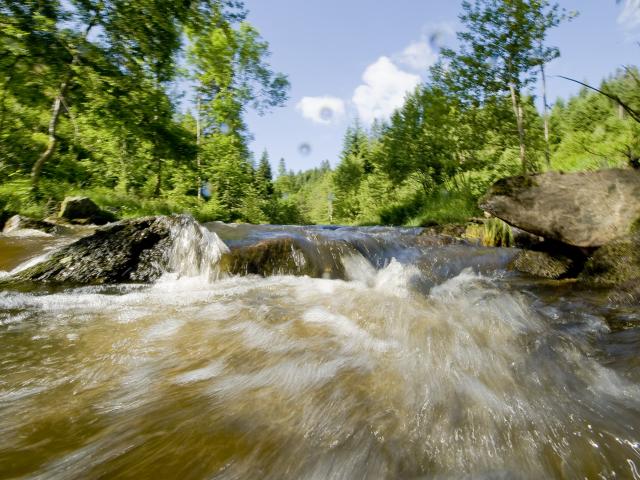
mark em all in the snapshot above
pixel 590 222
pixel 585 209
pixel 126 251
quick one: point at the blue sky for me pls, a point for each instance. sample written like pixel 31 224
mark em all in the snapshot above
pixel 348 58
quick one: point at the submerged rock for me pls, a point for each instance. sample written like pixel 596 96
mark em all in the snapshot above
pixel 268 257
pixel 585 209
pixel 282 256
pixel 131 250
pixel 83 210
pixel 19 222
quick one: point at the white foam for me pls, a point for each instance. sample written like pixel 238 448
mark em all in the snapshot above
pixel 208 372
pixel 195 251
pixel 163 329
pixel 344 327
pixel 394 279
pixel 27 232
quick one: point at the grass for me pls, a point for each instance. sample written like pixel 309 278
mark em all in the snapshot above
pixel 445 208
pixel 16 197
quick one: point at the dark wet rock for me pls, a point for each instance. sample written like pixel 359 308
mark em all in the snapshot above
pixel 20 222
pixel 281 256
pixel 128 251
pixel 82 210
pixel 4 216
pixel 585 209
pixel 267 257
pixel 542 264
pixel 523 239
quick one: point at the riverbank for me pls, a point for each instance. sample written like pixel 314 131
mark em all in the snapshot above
pixel 16 197
pixel 581 226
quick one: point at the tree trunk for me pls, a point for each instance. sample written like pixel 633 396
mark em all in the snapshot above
pixel 55 116
pixel 123 182
pixel 199 178
pixel 157 190
pixel 519 114
pixel 53 140
pixel 547 150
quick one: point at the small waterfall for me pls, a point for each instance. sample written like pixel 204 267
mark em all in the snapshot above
pixel 195 251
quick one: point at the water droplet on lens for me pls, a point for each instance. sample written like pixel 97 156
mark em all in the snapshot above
pixel 326 113
pixel 435 40
pixel 304 149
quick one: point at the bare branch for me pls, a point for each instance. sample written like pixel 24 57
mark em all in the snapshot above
pixel 632 113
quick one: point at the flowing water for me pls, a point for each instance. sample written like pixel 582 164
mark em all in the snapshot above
pixel 420 361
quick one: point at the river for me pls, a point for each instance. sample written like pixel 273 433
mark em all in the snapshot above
pixel 420 360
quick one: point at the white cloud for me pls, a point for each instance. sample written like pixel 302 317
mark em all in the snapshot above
pixel 324 110
pixel 629 17
pixel 384 89
pixel 418 56
pixel 423 53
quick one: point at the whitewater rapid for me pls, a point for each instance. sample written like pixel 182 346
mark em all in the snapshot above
pixel 416 365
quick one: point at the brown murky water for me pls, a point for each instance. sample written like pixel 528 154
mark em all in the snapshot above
pixel 427 362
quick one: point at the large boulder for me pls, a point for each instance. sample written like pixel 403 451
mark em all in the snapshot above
pixel 585 209
pixel 128 251
pixel 83 210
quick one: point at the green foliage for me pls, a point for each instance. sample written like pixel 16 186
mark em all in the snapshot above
pixel 446 207
pixel 86 105
pixel 502 49
pixel 110 67
pixel 593 131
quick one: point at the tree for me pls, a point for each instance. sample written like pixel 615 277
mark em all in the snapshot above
pixel 421 139
pixel 355 164
pixel 501 51
pixel 230 69
pixel 282 168
pixel 264 178
pixel 122 45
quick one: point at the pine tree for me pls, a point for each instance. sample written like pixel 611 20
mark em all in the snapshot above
pixel 264 178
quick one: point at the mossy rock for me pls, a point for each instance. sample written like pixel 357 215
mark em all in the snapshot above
pixel 266 258
pixel 83 210
pixel 541 264
pixel 614 264
pixel 279 256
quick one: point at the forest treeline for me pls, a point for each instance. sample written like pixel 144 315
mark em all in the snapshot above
pixel 423 169
pixel 90 94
